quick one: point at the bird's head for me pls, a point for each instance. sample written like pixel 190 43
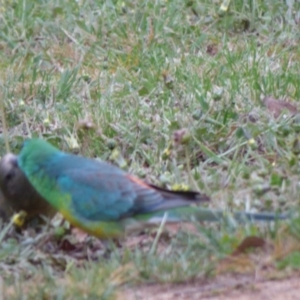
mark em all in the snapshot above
pixel 34 152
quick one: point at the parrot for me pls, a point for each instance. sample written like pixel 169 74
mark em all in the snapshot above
pixel 93 195
pixel 17 192
pixel 106 201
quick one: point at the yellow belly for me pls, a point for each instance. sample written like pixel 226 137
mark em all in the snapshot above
pixel 100 229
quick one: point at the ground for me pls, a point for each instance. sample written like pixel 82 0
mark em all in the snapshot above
pixel 225 288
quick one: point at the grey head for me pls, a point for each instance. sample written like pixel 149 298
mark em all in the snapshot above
pixel 18 193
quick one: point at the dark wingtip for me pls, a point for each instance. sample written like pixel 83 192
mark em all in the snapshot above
pixel 187 195
pixel 202 197
pixel 194 196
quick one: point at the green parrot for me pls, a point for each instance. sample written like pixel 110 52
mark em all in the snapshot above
pixel 93 195
pixel 104 200
pixel 17 194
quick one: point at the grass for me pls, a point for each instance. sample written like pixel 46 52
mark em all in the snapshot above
pixel 166 90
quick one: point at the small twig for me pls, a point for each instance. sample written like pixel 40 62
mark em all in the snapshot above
pixel 158 234
pixel 27 126
pixel 3 119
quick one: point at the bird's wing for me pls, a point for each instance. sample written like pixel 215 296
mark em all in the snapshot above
pixel 107 195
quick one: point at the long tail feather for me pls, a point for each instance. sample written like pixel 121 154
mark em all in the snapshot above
pixel 200 214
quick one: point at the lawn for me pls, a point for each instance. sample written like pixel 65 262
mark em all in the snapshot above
pixel 173 92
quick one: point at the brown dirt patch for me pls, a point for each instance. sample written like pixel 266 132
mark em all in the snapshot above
pixel 227 287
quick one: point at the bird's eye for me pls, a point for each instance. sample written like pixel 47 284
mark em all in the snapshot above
pixel 9 176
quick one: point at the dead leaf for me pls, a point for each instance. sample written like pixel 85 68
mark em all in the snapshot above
pixel 85 124
pixel 212 49
pixel 181 136
pixel 168 79
pixel 240 261
pixel 67 246
pixel 277 107
pixel 249 242
pixel 80 235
